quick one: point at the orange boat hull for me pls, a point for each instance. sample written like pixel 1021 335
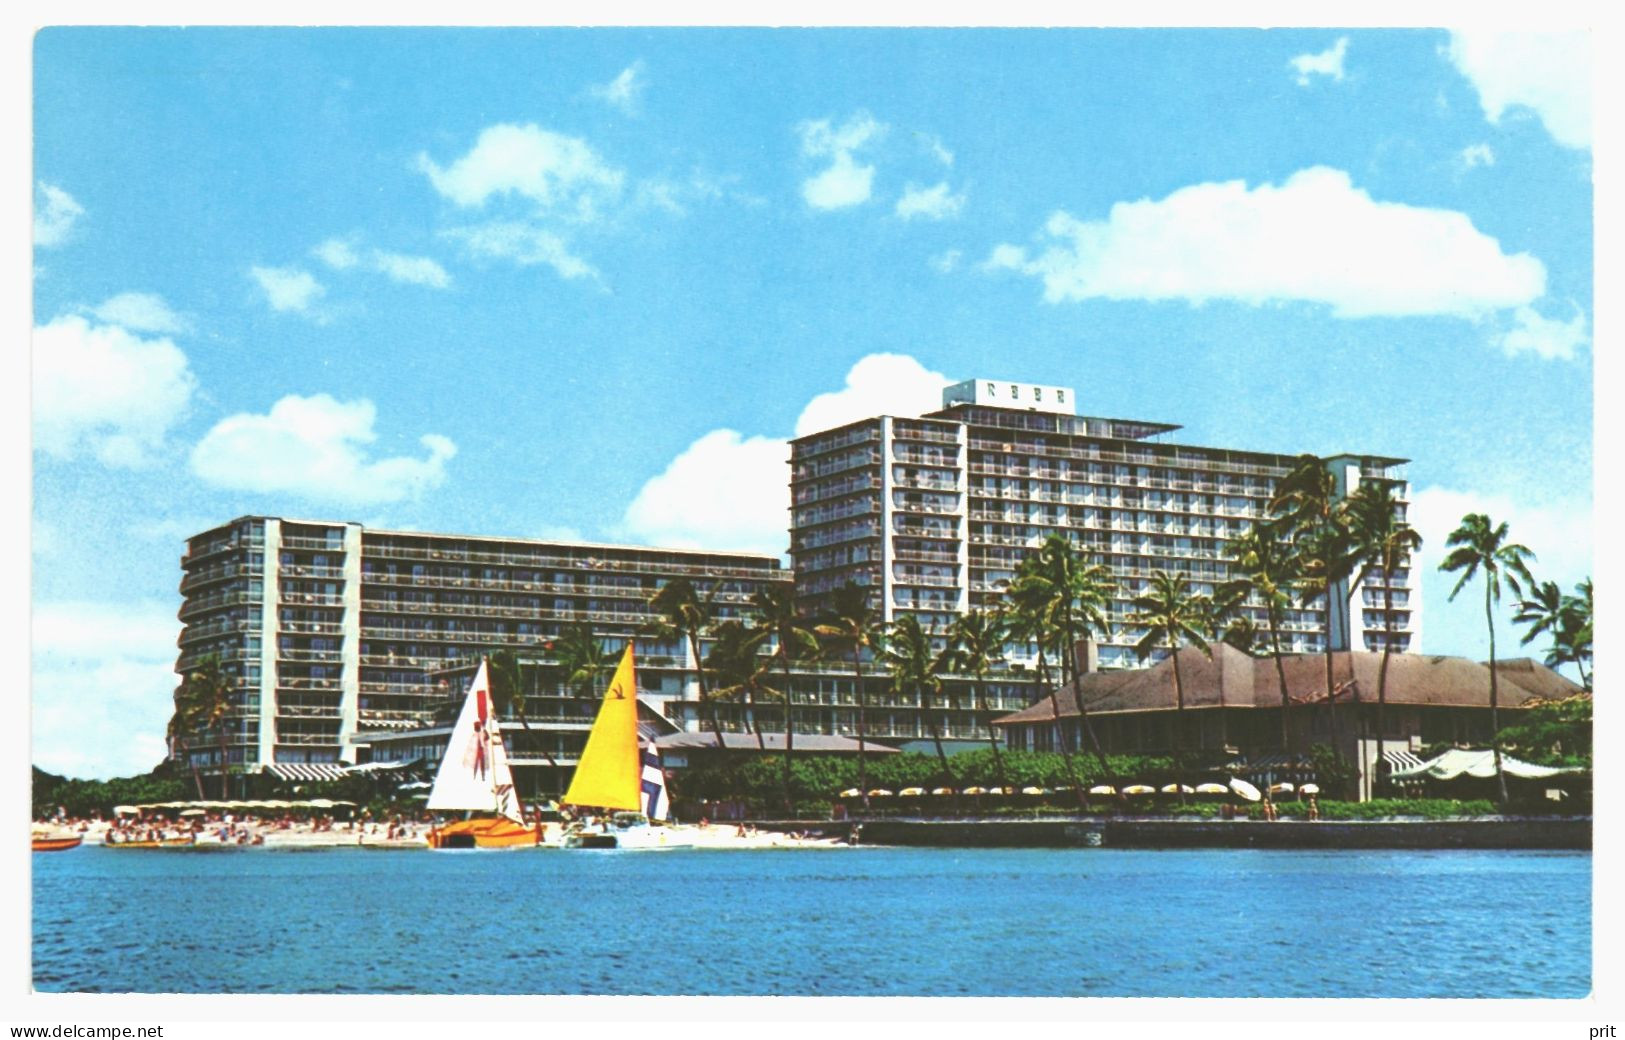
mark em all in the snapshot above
pixel 498 833
pixel 56 844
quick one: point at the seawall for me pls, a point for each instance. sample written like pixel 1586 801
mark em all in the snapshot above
pixel 1483 833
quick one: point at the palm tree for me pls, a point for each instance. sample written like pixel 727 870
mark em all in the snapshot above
pixel 1384 542
pixel 1306 508
pixel 1077 597
pixel 185 720
pixel 508 691
pixel 582 658
pixel 1171 615
pixel 975 644
pixel 854 622
pixel 207 692
pixel 1566 620
pixel 683 613
pixel 1480 544
pixel 736 662
pixel 1263 572
pixel 793 638
pixel 1031 621
pixel 913 669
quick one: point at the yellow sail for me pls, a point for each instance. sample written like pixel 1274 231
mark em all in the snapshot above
pixel 608 775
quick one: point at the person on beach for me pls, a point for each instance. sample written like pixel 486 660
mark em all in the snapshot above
pixel 1314 807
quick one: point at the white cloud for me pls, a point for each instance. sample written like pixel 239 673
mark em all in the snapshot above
pixel 723 491
pixel 55 214
pixel 727 490
pixel 622 91
pixel 1548 73
pixel 142 312
pixel 288 288
pixel 938 150
pixel 524 244
pixel 106 390
pixel 1328 62
pixel 879 384
pixel 1546 337
pixel 935 203
pixel 103 684
pixel 1558 531
pixel 1477 155
pixel 1315 238
pixel 342 255
pixel 315 447
pixel 561 175
pixel 337 253
pixel 844 182
pixel 414 270
pixel 947 262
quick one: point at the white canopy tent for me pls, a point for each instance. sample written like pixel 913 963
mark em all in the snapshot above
pixel 1480 764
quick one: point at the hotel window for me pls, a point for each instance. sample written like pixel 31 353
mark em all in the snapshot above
pixel 1060 397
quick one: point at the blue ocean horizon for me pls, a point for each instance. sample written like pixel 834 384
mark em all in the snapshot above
pixel 849 922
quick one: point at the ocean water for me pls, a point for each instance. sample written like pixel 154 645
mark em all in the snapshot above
pixel 866 921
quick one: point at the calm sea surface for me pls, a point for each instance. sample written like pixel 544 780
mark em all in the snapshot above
pixel 867 921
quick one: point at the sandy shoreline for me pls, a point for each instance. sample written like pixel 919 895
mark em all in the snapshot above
pixel 711 837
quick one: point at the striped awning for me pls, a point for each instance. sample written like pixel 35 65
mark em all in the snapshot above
pixel 306 772
pixel 1401 759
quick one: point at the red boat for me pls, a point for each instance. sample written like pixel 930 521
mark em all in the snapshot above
pixel 47 844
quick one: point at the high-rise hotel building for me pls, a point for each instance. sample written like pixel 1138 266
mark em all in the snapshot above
pixel 936 512
pixel 329 630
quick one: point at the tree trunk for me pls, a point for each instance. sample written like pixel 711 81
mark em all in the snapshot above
pixel 225 780
pixel 992 737
pixel 1179 726
pixel 789 735
pixel 1280 676
pixel 936 735
pixel 707 706
pixel 863 757
pixel 1331 690
pixel 1083 712
pixel 1382 671
pixel 1060 734
pixel 1495 719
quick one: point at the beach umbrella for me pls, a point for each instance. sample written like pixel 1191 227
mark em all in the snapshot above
pixel 850 792
pixel 194 812
pixel 126 810
pixel 911 792
pixel 1139 789
pixel 1033 790
pixel 1212 789
pixel 1244 789
pixel 1309 789
pixel 321 803
pixel 1104 790
pixel 880 792
pixel 942 790
pixel 976 790
pixel 1282 788
pixel 1178 789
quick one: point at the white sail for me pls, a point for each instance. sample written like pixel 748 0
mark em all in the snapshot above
pixel 474 774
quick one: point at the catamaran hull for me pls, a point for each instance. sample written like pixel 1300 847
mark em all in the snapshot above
pixel 501 833
pixel 630 839
pixel 56 844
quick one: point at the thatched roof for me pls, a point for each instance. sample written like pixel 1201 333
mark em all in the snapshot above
pixel 1231 679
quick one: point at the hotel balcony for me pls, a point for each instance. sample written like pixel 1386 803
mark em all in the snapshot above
pixel 664 568
pixel 194 605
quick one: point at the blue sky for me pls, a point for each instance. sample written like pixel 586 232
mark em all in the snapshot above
pixel 586 282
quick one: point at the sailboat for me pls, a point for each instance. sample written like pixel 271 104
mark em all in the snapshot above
pixel 474 777
pixel 616 778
